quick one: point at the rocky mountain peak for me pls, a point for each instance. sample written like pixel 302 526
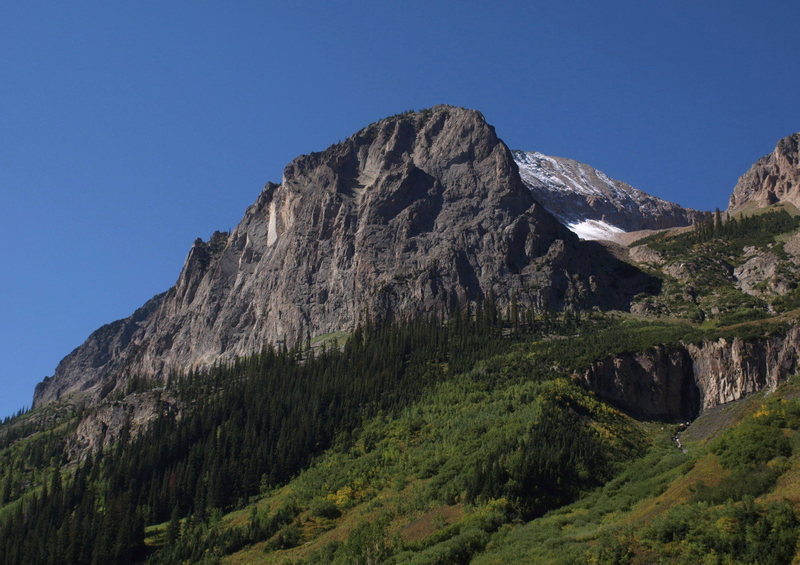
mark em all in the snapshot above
pixel 415 213
pixel 592 204
pixel 773 178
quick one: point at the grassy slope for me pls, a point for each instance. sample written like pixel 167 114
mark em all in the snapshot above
pixel 407 472
pixel 664 480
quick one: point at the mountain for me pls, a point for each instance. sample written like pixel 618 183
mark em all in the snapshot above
pixel 505 431
pixel 773 178
pixel 593 205
pixel 419 212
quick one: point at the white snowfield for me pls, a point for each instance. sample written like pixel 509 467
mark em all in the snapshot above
pixel 595 229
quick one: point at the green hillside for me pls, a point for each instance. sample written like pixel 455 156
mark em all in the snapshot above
pixel 445 480
pixel 453 438
pixel 505 441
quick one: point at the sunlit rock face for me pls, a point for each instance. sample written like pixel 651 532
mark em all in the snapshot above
pixel 773 178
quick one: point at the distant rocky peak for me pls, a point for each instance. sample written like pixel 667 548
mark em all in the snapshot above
pixel 592 204
pixel 567 175
pixel 772 179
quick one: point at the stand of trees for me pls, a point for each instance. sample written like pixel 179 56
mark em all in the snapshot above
pixel 769 223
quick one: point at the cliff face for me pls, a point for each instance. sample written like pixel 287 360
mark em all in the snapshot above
pixel 681 381
pixel 592 204
pixel 727 370
pixel 657 383
pixel 414 213
pixel 773 178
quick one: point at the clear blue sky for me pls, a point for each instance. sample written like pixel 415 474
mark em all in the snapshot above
pixel 129 129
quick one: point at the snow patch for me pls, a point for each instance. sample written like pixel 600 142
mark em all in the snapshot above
pixel 595 229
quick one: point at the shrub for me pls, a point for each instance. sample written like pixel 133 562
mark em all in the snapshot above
pixel 750 444
pixel 287 537
pixel 324 508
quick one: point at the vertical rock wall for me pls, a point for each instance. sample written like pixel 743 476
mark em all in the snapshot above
pixel 680 381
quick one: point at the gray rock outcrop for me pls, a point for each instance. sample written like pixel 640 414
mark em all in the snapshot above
pixel 111 420
pixel 773 178
pixel 415 213
pixel 764 274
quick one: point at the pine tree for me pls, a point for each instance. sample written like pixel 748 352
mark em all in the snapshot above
pixel 174 527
